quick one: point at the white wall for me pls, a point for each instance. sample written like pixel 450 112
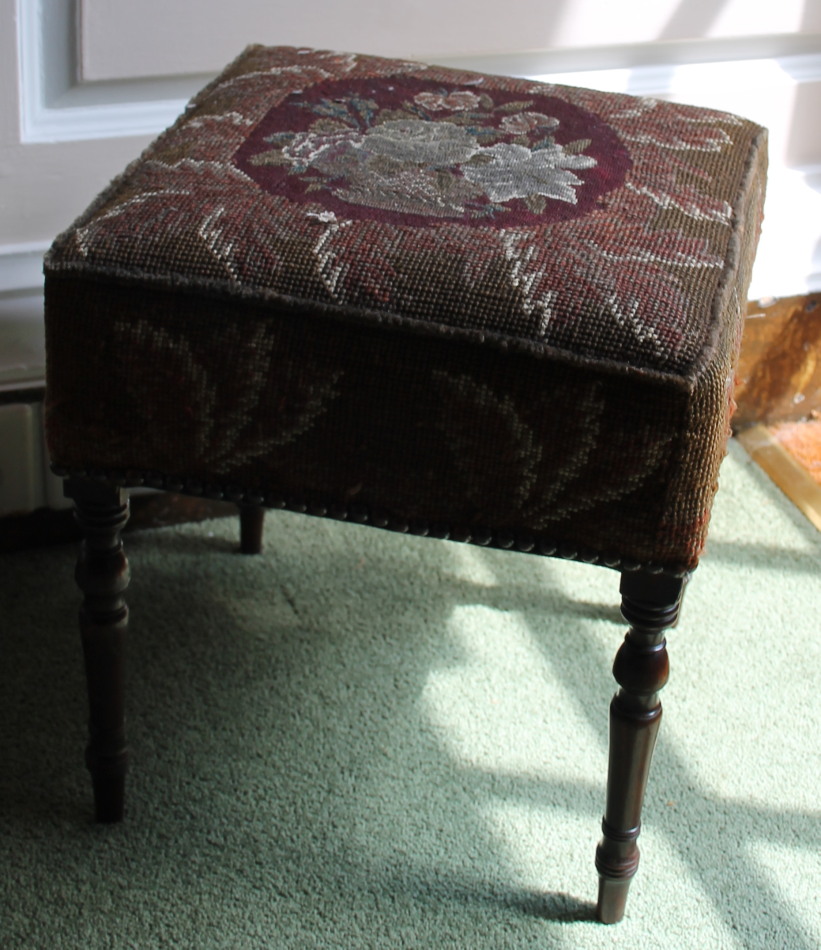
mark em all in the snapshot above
pixel 85 84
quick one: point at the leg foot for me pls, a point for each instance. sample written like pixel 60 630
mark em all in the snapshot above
pixel 108 785
pixel 251 522
pixel 650 604
pixel 102 574
pixel 612 899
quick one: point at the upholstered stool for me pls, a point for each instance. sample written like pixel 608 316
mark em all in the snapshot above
pixel 456 305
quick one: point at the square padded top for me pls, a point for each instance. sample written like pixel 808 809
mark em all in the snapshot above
pixel 596 227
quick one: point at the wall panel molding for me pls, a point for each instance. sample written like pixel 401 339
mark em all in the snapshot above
pixel 119 39
pixel 56 107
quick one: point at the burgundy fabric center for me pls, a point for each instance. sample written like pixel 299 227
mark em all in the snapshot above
pixel 419 152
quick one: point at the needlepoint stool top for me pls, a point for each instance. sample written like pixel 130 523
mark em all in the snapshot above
pixel 596 225
pixel 564 268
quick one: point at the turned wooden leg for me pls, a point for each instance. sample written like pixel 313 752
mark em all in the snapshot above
pixel 650 604
pixel 251 522
pixel 102 574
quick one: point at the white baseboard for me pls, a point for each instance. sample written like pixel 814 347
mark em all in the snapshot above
pixel 26 482
pixel 21 267
pixel 22 335
pixel 21 459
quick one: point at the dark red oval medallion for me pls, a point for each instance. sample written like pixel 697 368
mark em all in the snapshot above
pixel 417 152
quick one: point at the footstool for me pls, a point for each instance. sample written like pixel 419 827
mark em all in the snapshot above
pixel 434 301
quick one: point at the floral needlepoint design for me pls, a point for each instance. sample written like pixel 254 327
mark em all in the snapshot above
pixel 556 218
pixel 417 152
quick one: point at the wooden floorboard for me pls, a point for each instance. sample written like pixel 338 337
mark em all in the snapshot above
pixel 784 469
pixel 778 392
pixel 803 441
pixel 779 370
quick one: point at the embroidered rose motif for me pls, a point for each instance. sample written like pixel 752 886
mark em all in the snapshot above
pixel 426 143
pixel 524 122
pixel 399 158
pixel 418 152
pixel 457 101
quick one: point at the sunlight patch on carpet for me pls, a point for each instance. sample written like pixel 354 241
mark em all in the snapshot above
pixel 793 873
pixel 488 724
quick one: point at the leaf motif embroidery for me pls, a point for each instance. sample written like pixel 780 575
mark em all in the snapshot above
pixel 240 432
pixel 544 490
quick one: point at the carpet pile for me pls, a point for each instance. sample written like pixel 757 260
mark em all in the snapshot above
pixel 364 740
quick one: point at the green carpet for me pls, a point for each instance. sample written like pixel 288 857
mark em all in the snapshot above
pixel 360 739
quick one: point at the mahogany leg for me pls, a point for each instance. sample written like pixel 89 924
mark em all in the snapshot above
pixel 251 522
pixel 102 574
pixel 650 604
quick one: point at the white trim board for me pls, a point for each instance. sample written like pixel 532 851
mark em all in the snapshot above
pixel 22 345
pixel 22 341
pixel 21 267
